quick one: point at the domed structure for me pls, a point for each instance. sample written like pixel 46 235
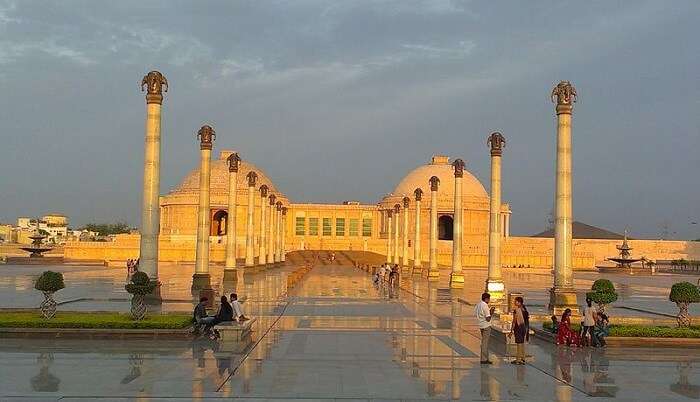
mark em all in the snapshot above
pixel 440 166
pixel 179 206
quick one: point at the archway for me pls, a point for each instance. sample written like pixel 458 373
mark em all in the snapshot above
pixel 445 226
pixel 218 223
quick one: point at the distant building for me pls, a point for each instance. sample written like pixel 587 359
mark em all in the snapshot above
pixel 55 225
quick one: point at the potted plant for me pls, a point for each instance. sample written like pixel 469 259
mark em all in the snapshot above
pixel 602 293
pixel 139 286
pixel 684 293
pixel 48 283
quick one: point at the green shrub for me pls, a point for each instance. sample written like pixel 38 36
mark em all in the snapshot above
pixel 50 281
pixel 684 292
pixel 641 331
pixel 602 293
pixel 603 285
pixel 140 284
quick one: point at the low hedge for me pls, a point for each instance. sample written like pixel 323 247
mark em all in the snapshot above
pixel 642 331
pixel 93 320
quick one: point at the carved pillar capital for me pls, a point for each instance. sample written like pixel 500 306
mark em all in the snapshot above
pixel 406 202
pixel 273 199
pixel 564 95
pixel 263 191
pixel 434 183
pixel 279 205
pixel 284 211
pixel 206 136
pixel 458 165
pixel 496 142
pixel 418 193
pixel 154 83
pixel 397 208
pixel 234 162
pixel 252 178
pixel 389 212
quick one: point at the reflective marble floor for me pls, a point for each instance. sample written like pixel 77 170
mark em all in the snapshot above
pixel 335 336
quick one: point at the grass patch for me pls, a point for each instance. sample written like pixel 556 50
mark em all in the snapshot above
pixel 102 320
pixel 643 331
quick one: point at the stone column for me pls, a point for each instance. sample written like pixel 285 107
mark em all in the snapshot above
pixel 278 232
pixel 456 277
pixel 562 295
pixel 250 230
pixel 154 83
pixel 262 259
pixel 201 278
pixel 234 163
pixel 283 232
pixel 397 211
pixel 433 271
pixel 494 280
pixel 417 263
pixel 404 235
pixel 271 239
pixel 389 236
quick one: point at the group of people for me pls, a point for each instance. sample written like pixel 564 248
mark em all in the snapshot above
pixel 388 274
pixel 594 328
pixel 520 328
pixel 228 311
pixel 132 266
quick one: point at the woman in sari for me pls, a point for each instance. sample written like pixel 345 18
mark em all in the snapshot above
pixel 521 329
pixel 565 335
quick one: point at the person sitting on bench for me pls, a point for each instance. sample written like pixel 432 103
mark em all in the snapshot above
pixel 200 314
pixel 238 314
pixel 225 312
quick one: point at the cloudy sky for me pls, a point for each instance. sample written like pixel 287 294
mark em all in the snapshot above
pixel 338 100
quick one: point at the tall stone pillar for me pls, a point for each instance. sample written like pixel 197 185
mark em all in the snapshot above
pixel 234 163
pixel 404 235
pixel 397 211
pixel 262 259
pixel 271 239
pixel 250 230
pixel 154 83
pixel 201 278
pixel 494 280
pixel 433 271
pixel 456 277
pixel 278 233
pixel 283 232
pixel 417 263
pixel 562 295
pixel 389 236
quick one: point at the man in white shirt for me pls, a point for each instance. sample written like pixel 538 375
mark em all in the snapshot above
pixel 237 308
pixel 483 316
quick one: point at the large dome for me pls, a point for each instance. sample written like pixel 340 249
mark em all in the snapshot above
pixel 219 177
pixel 440 166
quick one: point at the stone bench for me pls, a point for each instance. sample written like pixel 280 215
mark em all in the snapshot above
pixel 233 331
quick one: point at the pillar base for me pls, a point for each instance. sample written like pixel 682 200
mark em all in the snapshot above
pixel 562 298
pixel 433 275
pixel 154 298
pixel 497 289
pixel 417 270
pixel 230 275
pixel 201 281
pixel 456 281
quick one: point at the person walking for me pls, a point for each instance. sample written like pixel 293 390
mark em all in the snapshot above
pixel 483 315
pixel 521 329
pixel 588 323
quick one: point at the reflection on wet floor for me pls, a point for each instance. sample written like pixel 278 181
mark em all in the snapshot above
pixel 336 335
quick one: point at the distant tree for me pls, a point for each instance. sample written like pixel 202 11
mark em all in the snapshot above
pixel 105 229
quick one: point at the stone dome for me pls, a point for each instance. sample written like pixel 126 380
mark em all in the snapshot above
pixel 441 167
pixel 219 178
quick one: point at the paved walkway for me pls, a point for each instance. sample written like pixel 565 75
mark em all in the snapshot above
pixel 335 336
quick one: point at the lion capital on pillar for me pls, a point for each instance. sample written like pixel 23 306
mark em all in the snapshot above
pixel 206 136
pixel 397 208
pixel 496 142
pixel 272 200
pixel 406 202
pixel 564 95
pixel 155 84
pixel 418 193
pixel 458 165
pixel 279 205
pixel 263 191
pixel 434 183
pixel 252 178
pixel 234 162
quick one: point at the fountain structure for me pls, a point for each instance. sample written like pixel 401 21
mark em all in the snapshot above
pixel 37 247
pixel 36 251
pixel 624 260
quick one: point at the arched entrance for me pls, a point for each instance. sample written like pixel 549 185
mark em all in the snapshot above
pixel 218 223
pixel 445 226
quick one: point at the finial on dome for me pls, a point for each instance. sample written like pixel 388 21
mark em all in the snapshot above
pixel 440 160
